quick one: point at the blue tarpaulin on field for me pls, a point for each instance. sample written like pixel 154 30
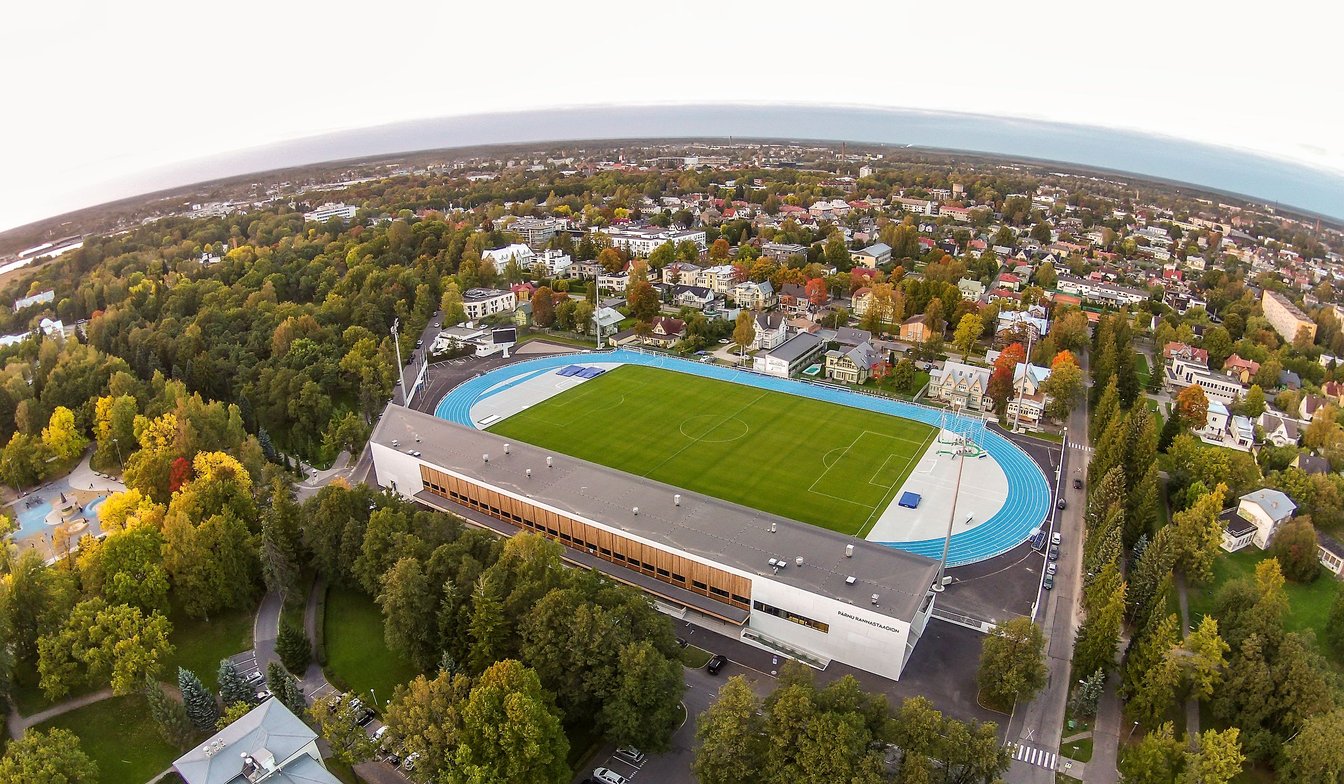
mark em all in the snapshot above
pixel 909 500
pixel 572 370
pixel 590 372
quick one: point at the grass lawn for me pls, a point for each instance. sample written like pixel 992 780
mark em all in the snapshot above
pixel 201 644
pixel 1308 605
pixel 694 657
pixel 357 658
pixel 198 646
pixel 1080 750
pixel 821 463
pixel 1158 419
pixel 121 737
pixel 1141 369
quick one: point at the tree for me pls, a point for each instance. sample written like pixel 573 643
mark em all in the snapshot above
pixel 1156 759
pixel 127 568
pixel 61 435
pixel 1334 624
pixel 232 687
pixel 454 312
pixel 1216 759
pixel 117 644
pixel 583 316
pixel 967 332
pixel 1100 633
pixel 50 757
pixel 346 432
pixel 405 599
pixel 232 712
pixel 1191 407
pixel 816 291
pixel 1198 535
pixel 199 703
pixel 286 688
pixel 1087 695
pixel 169 715
pixel 1205 658
pixel 1064 387
pixel 1295 548
pixel 293 648
pixel 1254 403
pixel 744 330
pixel 23 461
pixel 643 300
pixel 1046 277
pixel 335 720
pixel 511 731
pixel 730 737
pixel 644 709
pixel 543 307
pixel 426 715
pixel 1012 662
pixel 1316 755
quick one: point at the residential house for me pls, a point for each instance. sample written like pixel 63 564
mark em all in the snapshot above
pixel 267 743
pixel 848 337
pixel 1028 397
pixel 771 330
pixel 971 289
pixel 1311 464
pixel 956 382
pixel 859 300
pixel 616 282
pixel 872 256
pixel 1022 324
pixel 1279 430
pixel 793 299
pixel 1334 391
pixel 718 279
pixel 1330 553
pixel 1221 428
pixel 790 357
pixel 852 366
pixel 782 252
pixel 666 331
pixel 914 330
pixel 1181 374
pixel 1243 370
pixel 556 263
pixel 681 272
pixel 607 319
pixel 1258 515
pixel 752 294
pixel 1186 352
pixel 480 303
pixel 697 297
pixel 1309 405
pixel 518 252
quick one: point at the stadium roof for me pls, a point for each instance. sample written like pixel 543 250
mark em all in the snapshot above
pixel 729 534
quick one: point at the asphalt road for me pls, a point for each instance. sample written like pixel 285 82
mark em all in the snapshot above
pixel 1039 723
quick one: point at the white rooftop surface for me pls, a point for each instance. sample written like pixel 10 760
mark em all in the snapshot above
pixel 984 488
pixel 529 393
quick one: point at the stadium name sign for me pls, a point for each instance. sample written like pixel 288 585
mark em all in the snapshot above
pixel 883 627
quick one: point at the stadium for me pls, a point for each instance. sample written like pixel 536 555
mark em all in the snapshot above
pixel 805 518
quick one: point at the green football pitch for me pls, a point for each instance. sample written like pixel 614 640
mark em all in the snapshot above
pixel 820 463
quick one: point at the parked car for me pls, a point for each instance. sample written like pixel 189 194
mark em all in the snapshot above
pixel 409 764
pixel 1060 503
pixel 716 663
pixel 1049 582
pixel 363 719
pixel 634 755
pixel 1077 483
pixel 1051 568
pixel 380 733
pixel 1054 552
pixel 609 776
pixel 1055 538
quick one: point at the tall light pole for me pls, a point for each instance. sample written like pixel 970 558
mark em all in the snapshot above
pixel 959 453
pixel 401 372
pixel 1021 389
pixel 123 465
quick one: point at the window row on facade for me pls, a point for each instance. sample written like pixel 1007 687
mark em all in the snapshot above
pixel 637 556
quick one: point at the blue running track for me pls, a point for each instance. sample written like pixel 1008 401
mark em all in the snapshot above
pixel 1025 509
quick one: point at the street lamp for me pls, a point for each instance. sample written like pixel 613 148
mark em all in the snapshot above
pixel 401 372
pixel 118 447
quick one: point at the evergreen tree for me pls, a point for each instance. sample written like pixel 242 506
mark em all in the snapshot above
pixel 232 687
pixel 169 715
pixel 293 647
pixel 1087 695
pixel 286 688
pixel 1106 408
pixel 1144 510
pixel 196 699
pixel 1100 633
pixel 267 448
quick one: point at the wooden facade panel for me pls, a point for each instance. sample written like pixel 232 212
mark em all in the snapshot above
pixel 645 558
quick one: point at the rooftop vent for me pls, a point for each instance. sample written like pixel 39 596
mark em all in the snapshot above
pixel 486 457
pixel 849 580
pixel 798 560
pixel 772 562
pixel 874 600
pixel 849 551
pixel 506 449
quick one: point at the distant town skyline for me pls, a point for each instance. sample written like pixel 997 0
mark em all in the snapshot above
pixel 128 98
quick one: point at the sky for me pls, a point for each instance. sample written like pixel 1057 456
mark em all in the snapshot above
pixel 97 94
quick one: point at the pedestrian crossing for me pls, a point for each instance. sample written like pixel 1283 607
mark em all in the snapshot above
pixel 1034 756
pixel 1080 447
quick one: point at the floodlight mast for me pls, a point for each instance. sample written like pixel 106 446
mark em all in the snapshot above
pixel 960 450
pixel 401 372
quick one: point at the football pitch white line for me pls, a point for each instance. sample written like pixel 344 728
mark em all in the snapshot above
pixel 692 442
pixel 883 466
pixel 886 499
